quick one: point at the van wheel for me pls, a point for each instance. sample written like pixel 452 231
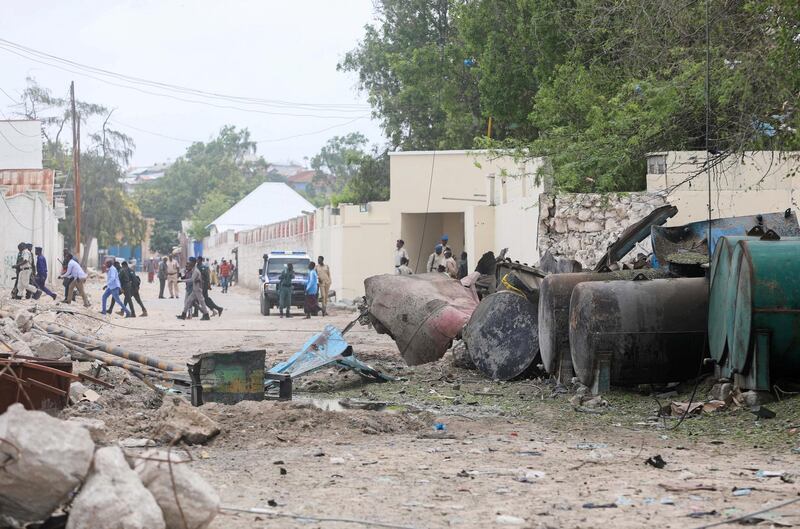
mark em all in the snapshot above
pixel 264 305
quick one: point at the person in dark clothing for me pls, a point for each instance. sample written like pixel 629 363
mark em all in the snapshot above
pixel 134 282
pixel 285 290
pixel 463 268
pixel 206 273
pixel 162 277
pixel 41 273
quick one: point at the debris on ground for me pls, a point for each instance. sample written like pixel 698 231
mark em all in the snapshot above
pixel 43 459
pixel 186 499
pixel 114 497
pixel 180 421
pixel 656 461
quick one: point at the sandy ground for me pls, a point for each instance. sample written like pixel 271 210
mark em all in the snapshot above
pixel 507 450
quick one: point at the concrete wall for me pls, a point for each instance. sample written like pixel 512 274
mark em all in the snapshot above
pixel 750 183
pixel 20 144
pixel 353 242
pixel 455 188
pixel 581 226
pixel 28 217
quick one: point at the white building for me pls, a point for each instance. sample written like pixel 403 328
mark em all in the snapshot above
pixel 26 198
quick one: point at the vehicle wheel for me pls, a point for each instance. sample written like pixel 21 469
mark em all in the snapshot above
pixel 264 305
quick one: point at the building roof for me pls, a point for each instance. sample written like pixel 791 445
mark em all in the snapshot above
pixel 302 177
pixel 268 203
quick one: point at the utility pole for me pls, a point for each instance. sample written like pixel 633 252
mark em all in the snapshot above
pixel 76 167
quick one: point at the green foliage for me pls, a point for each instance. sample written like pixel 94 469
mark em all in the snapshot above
pixel 213 205
pixel 411 64
pixel 221 171
pixel 594 85
pixel 370 183
pixel 107 212
pixel 336 163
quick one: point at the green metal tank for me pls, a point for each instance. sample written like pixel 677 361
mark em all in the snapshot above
pixel 765 344
pixel 720 315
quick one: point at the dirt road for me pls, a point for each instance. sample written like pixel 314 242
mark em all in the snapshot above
pixel 509 454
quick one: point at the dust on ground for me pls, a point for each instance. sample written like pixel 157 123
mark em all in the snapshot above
pixel 448 447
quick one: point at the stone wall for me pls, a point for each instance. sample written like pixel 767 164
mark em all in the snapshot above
pixel 581 226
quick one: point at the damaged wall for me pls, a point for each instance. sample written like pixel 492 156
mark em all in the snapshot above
pixel 582 225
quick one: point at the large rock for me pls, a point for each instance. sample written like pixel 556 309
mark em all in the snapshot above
pixel 180 421
pixel 95 427
pixel 114 497
pixel 43 459
pixel 198 500
pixel 47 348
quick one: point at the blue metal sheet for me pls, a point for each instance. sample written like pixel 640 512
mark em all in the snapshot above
pixel 321 350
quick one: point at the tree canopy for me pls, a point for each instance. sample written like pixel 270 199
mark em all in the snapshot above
pixel 593 85
pixel 201 185
pixel 107 212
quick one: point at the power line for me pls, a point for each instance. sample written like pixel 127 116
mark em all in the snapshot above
pixel 169 96
pixel 49 59
pixel 270 140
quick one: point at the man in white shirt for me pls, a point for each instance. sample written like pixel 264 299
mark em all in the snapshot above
pixel 400 253
pixel 77 278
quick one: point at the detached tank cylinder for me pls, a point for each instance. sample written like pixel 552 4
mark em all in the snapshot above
pixel 653 330
pixel 555 293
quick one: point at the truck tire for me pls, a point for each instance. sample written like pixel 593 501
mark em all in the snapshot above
pixel 264 305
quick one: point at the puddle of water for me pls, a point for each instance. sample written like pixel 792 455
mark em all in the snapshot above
pixel 350 404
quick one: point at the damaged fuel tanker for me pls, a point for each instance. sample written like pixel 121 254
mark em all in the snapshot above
pixel 422 313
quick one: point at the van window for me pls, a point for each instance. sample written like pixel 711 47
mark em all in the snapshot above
pixel 276 265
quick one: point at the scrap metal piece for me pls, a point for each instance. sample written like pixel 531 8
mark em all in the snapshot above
pixel 35 383
pixel 322 350
pixel 693 237
pixel 633 234
pixel 227 376
pixel 422 313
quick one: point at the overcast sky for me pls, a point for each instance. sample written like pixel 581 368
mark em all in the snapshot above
pixel 274 50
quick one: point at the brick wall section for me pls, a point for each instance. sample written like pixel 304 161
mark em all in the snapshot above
pixel 581 226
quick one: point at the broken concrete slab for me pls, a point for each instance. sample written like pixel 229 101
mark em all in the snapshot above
pixel 43 460
pixel 95 427
pixel 186 499
pixel 180 421
pixel 114 497
pixel 43 347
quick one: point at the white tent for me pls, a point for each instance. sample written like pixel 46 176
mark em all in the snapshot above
pixel 268 203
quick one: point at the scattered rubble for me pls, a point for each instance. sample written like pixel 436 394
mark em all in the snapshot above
pixel 114 497
pixel 43 460
pixel 186 499
pixel 180 421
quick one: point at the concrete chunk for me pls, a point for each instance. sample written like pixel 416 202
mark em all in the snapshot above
pixel 180 421
pixel 199 501
pixel 114 497
pixel 44 459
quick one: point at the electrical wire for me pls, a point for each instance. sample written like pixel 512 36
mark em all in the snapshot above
pixel 93 72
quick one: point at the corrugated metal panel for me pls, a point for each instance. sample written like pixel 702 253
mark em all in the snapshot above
pixel 21 180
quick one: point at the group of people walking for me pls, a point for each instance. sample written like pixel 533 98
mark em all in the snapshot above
pixel 442 260
pixel 31 268
pixel 316 289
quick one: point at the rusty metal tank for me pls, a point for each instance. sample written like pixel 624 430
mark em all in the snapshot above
pixel 555 292
pixel 501 336
pixel 654 330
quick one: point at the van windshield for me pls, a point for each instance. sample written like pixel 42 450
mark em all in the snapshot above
pixel 276 265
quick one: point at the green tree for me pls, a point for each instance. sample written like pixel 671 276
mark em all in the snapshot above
pixel 411 64
pixel 107 212
pixel 336 163
pixel 370 183
pixel 226 166
pixel 213 205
